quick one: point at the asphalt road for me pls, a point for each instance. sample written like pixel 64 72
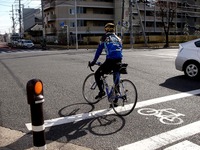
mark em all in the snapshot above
pixel 160 87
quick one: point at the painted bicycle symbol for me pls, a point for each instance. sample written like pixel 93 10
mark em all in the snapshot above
pixel 165 116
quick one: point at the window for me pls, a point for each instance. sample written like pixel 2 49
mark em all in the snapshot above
pixel 72 11
pixel 72 24
pixel 81 10
pixel 149 13
pixel 103 11
pixel 81 23
pixel 197 43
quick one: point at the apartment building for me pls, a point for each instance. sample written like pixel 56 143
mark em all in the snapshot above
pixel 187 12
pixel 92 15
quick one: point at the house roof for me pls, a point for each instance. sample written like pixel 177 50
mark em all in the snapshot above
pixel 37 27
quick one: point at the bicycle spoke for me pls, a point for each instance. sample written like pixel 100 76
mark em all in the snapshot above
pixel 89 89
pixel 127 99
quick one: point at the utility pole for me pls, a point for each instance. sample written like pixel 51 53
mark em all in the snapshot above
pixel 122 19
pixel 13 21
pixel 43 27
pixel 143 30
pixel 130 21
pixel 20 17
pixel 76 26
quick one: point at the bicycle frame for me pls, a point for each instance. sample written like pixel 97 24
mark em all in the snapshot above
pixel 110 91
pixel 121 93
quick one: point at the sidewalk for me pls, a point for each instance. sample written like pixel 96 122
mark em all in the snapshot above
pixel 16 140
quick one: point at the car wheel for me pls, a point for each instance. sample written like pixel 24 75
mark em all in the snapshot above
pixel 192 70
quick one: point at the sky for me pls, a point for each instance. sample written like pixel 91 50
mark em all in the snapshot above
pixel 6 13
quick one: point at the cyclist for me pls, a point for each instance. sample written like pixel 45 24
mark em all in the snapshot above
pixel 113 48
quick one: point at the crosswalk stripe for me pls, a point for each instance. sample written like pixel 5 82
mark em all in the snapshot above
pixel 185 145
pixel 165 138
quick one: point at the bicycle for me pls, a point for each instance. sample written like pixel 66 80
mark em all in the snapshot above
pixel 166 116
pixel 124 92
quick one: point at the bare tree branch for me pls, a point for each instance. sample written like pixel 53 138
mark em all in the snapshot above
pixel 167 11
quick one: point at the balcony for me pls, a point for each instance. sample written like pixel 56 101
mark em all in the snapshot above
pixel 159 29
pixel 95 4
pixel 88 30
pixel 51 17
pixel 49 5
pixel 51 30
pixel 95 17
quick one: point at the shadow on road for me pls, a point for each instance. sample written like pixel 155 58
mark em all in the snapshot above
pixel 97 125
pixel 181 83
pixel 77 130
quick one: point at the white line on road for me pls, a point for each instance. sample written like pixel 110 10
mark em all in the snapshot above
pixel 185 145
pixel 94 114
pixel 160 56
pixel 167 98
pixel 165 138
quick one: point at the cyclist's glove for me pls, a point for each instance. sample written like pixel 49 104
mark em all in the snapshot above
pixel 92 63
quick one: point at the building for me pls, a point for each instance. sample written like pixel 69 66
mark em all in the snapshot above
pixel 187 12
pixel 31 17
pixel 91 16
pixel 61 18
pixel 32 24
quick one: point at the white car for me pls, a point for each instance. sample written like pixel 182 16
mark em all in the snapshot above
pixel 188 58
pixel 26 44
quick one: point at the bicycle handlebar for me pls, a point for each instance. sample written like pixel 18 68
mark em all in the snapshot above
pixel 97 63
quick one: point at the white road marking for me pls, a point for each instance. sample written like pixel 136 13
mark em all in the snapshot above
pixel 74 118
pixel 160 55
pixel 185 145
pixel 94 114
pixel 166 116
pixel 167 98
pixel 165 138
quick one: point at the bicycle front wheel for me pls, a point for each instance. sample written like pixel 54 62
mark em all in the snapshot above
pixel 126 98
pixel 90 89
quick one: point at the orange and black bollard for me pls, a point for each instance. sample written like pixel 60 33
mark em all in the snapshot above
pixel 35 99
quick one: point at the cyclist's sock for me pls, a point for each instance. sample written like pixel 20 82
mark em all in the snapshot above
pixel 100 95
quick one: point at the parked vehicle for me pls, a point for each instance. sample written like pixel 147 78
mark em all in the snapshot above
pixel 25 44
pixel 12 39
pixel 188 58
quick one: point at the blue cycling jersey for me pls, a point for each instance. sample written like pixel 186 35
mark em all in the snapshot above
pixel 112 45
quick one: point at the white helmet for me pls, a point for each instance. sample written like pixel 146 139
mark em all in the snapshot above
pixel 110 27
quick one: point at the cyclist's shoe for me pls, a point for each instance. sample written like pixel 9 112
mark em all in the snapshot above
pixel 115 105
pixel 100 95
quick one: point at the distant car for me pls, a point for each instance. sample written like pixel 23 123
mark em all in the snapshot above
pixel 26 44
pixel 188 58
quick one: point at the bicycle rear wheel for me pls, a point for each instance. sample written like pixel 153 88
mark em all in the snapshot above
pixel 90 89
pixel 127 98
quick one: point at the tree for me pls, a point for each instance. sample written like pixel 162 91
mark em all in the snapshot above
pixel 166 10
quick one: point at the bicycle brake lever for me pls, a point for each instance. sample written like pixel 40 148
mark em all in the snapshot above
pixel 90 66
